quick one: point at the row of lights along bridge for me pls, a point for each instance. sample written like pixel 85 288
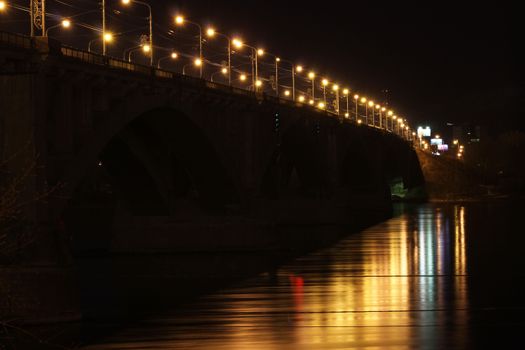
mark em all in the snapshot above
pixel 374 115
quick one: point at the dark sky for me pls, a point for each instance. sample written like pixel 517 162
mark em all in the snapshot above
pixel 441 61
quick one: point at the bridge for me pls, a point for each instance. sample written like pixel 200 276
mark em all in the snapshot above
pixel 121 157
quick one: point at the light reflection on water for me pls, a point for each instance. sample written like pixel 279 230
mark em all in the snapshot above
pixel 400 284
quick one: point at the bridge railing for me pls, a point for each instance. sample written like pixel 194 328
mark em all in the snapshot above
pixel 17 40
pixel 25 42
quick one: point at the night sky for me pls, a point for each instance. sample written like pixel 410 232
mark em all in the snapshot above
pixel 441 62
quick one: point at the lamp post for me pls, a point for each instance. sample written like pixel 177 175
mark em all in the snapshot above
pixel 65 23
pixel 335 88
pixel 298 69
pixel 145 48
pixel 390 114
pixel 383 109
pixel 277 60
pixel 107 37
pixel 378 108
pixel 173 56
pixel 127 2
pixel 180 20
pixel 210 32
pixel 311 76
pixel 103 27
pixel 345 93
pixel 223 70
pixel 255 65
pixel 324 82
pixel 295 69
pixel 356 101
pixel 363 101
pixel 371 104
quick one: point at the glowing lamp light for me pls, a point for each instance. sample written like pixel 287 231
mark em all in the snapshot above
pixel 210 32
pixel 371 103
pixel 277 59
pixel 324 82
pixel 198 62
pixel 3 5
pixel 224 70
pixel 242 77
pixel 356 97
pixel 260 52
pixel 301 98
pixel 437 137
pixel 390 113
pixel 66 23
pixel 321 105
pixel 286 93
pixel 335 87
pixel 347 115
pixel 359 121
pixel 108 37
pixel 179 19
pixel 311 102
pixel 258 83
pixel 363 99
pixel 146 48
pixel 455 142
pixel 174 55
pixel 346 91
pixel 378 106
pixel 299 69
pixel 237 43
pixel 126 2
pixel 311 75
pixel 383 109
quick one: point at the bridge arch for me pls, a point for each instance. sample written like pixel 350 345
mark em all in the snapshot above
pixel 154 162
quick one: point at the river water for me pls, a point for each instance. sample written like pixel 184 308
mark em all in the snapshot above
pixel 434 277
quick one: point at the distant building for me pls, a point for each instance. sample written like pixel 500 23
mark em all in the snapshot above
pixel 468 134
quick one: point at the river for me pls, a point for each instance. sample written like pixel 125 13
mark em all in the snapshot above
pixel 435 276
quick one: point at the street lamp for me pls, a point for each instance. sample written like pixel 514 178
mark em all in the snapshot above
pixel 104 33
pixel 65 23
pixel 335 88
pixel 144 47
pixel 223 71
pixel 173 56
pixel 3 5
pixel 345 93
pixel 378 108
pixel 255 53
pixel 363 101
pixel 356 101
pixel 180 20
pixel 127 2
pixel 211 32
pixel 311 76
pixel 371 104
pixel 383 109
pixel 324 82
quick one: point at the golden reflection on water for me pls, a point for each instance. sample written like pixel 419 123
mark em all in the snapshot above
pixel 400 284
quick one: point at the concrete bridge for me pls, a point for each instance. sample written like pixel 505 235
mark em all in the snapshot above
pixel 115 156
